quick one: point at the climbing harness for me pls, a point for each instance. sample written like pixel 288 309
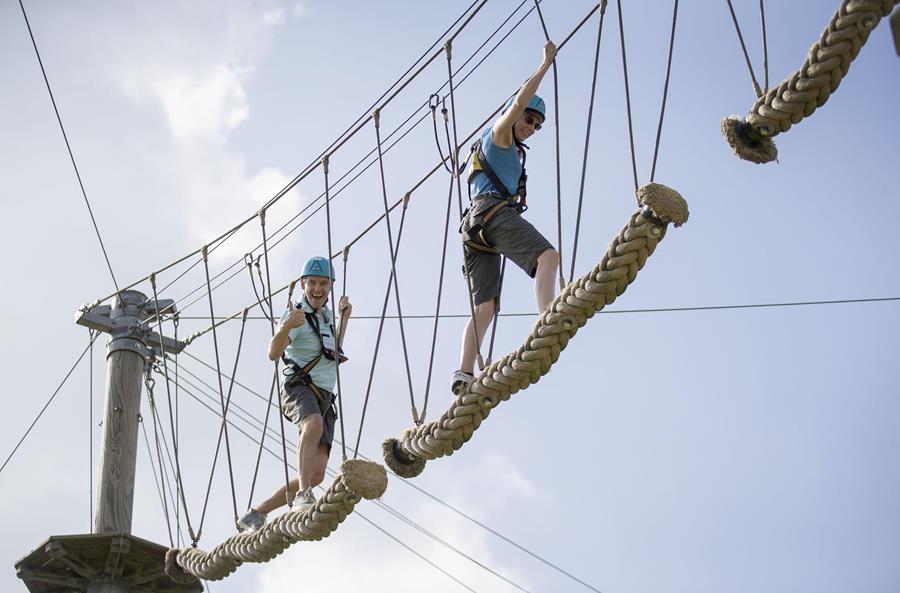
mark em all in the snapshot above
pixel 295 374
pixel 473 236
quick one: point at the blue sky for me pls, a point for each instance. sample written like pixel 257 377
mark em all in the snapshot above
pixel 727 450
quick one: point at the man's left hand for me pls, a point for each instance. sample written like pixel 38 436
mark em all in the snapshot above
pixel 344 306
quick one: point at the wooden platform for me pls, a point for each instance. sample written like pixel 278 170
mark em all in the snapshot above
pixel 66 563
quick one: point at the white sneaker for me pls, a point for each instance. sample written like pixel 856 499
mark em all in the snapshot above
pixel 460 381
pixel 252 521
pixel 303 501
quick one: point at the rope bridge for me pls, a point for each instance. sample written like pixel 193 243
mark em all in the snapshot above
pixel 626 255
pixel 359 479
pixel 807 89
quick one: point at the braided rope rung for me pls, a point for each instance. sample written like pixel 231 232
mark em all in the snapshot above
pixel 807 89
pixel 577 303
pixel 358 479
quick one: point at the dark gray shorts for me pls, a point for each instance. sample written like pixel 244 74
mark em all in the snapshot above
pixel 508 233
pixel 298 402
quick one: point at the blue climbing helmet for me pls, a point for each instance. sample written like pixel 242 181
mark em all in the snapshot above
pixel 536 104
pixel 318 266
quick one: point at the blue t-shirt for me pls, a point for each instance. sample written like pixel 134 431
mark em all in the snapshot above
pixel 505 163
pixel 305 346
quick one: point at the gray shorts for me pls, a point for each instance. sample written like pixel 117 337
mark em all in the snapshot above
pixel 298 401
pixel 508 233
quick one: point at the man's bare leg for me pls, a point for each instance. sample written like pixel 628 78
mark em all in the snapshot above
pixel 310 433
pixel 545 278
pixel 484 313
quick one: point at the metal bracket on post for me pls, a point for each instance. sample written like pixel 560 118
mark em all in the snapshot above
pixel 128 324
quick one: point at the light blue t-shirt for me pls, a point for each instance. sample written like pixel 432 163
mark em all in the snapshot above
pixel 305 346
pixel 505 163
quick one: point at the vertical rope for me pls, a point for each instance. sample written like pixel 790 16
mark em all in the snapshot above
pixel 587 142
pixel 287 479
pixel 376 116
pixel 627 96
pixel 175 444
pixel 765 44
pixel 212 320
pixel 176 432
pixel 150 383
pixel 337 345
pixel 740 35
pixel 387 296
pixel 448 47
pixel 440 289
pixel 91 432
pixel 559 249
pixel 662 110
pixel 222 428
pixel 490 354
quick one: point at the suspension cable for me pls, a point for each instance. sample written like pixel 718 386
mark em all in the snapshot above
pixel 221 393
pixel 68 147
pixel 765 43
pixel 740 35
pixel 627 96
pixel 337 337
pixel 91 431
pixel 223 429
pixel 149 383
pixel 662 110
pixel 377 349
pixel 376 117
pixel 175 443
pixel 287 480
pixel 587 141
pixel 46 405
pixel 559 248
pixel 159 490
pixel 454 163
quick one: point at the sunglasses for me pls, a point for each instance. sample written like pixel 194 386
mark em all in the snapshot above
pixel 533 121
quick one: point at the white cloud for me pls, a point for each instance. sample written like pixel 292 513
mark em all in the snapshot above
pixel 300 10
pixel 201 105
pixel 197 82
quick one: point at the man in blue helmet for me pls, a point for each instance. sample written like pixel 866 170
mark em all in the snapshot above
pixel 494 226
pixel 305 340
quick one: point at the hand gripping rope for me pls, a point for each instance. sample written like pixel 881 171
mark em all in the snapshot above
pixel 807 89
pixel 626 255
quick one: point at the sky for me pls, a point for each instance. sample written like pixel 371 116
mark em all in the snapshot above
pixel 708 450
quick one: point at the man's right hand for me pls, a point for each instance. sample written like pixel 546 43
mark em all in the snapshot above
pixel 294 319
pixel 549 52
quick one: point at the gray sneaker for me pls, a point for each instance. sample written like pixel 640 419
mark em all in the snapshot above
pixel 252 521
pixel 460 381
pixel 303 501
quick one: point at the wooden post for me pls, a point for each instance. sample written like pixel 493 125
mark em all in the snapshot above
pixel 127 355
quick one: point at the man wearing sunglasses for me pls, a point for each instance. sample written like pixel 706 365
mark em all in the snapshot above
pixel 305 340
pixel 493 225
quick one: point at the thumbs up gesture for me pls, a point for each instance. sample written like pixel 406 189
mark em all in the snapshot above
pixel 294 318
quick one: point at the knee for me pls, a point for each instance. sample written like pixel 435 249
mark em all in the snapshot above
pixel 486 308
pixel 549 258
pixel 312 425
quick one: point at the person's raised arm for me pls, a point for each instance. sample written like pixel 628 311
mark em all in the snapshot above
pixel 282 338
pixel 503 127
